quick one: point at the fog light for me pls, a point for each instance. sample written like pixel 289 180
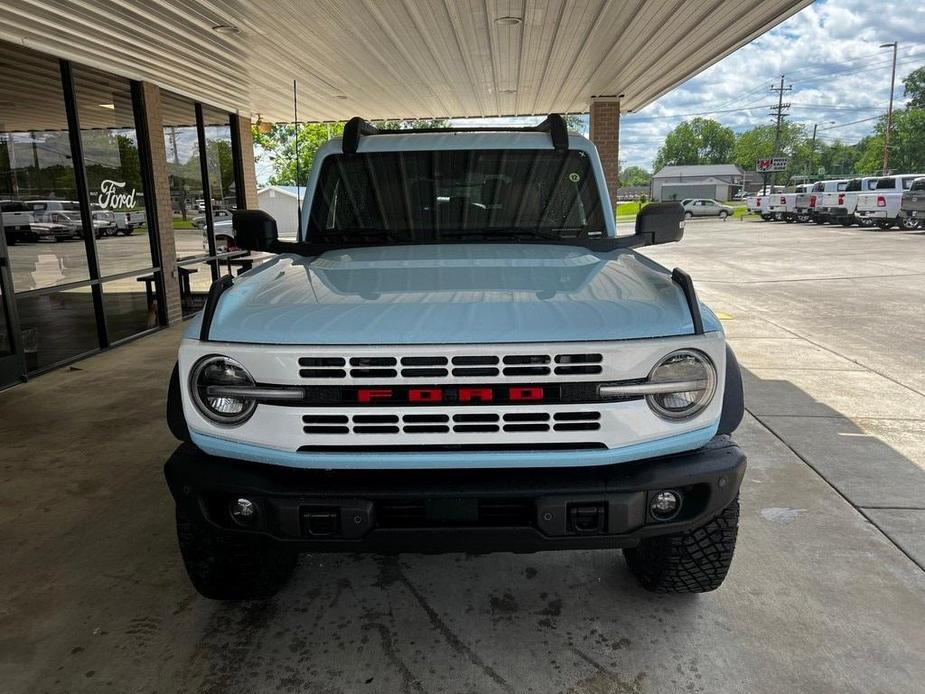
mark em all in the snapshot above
pixel 665 505
pixel 244 511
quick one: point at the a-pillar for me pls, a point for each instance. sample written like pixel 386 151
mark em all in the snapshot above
pixel 605 134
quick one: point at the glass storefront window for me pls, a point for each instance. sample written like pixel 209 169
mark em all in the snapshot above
pixel 195 282
pixel 57 326
pixel 41 215
pixel 113 166
pixel 187 192
pixel 130 304
pixel 220 163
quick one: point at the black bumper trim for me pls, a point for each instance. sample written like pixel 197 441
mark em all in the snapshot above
pixel 448 502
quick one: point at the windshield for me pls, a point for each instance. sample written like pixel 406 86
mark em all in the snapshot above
pixel 401 197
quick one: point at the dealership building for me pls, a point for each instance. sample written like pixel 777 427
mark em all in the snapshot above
pixel 125 128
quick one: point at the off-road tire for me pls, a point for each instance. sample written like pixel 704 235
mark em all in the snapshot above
pixel 695 561
pixel 231 566
pixel 885 226
pixel 910 224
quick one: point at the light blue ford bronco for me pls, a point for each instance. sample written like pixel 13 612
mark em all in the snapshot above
pixel 458 353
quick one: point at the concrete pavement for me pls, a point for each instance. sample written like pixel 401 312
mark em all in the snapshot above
pixel 824 594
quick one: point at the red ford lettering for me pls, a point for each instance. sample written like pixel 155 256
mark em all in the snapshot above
pixel 522 394
pixel 370 394
pixel 425 395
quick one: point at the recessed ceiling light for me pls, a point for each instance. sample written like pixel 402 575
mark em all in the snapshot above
pixel 226 29
pixel 111 107
pixel 508 21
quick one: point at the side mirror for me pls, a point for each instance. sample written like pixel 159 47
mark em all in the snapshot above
pixel 659 222
pixel 254 230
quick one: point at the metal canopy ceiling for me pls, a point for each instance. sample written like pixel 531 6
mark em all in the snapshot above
pixel 398 58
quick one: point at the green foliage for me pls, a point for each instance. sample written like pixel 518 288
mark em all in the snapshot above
pixel 907 144
pixel 278 145
pixel 697 141
pixel 635 176
pixel 915 88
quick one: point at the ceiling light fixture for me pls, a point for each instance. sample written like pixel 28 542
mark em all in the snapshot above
pixel 111 107
pixel 226 29
pixel 507 91
pixel 508 21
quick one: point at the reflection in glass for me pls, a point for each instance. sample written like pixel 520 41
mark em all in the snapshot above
pixel 6 347
pixel 220 163
pixel 37 171
pixel 195 281
pixel 131 306
pixel 56 326
pixel 187 197
pixel 113 166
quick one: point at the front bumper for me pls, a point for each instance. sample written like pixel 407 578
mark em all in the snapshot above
pixel 458 510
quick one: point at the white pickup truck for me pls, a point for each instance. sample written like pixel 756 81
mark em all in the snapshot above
pixel 128 220
pixel 831 198
pixel 809 204
pixel 783 206
pixel 883 205
pixel 17 221
pixel 842 211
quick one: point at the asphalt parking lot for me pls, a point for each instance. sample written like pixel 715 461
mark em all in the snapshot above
pixel 826 593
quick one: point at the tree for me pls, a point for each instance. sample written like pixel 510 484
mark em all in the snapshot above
pixel 758 143
pixel 697 141
pixel 635 176
pixel 914 84
pixel 278 145
pixel 907 144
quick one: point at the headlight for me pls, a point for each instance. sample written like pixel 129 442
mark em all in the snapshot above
pixel 213 385
pixel 686 381
pixel 680 386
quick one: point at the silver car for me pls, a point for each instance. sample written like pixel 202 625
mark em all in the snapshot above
pixel 706 207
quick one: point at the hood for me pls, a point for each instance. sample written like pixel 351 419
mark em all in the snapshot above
pixel 453 294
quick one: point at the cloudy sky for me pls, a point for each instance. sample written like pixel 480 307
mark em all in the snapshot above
pixel 828 52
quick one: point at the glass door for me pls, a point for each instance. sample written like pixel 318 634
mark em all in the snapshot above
pixel 12 368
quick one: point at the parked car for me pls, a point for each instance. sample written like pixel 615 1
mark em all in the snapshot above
pixel 376 385
pixel 913 202
pixel 66 213
pixel 706 207
pixel 224 236
pixel 804 205
pixel 883 206
pixel 17 221
pixel 783 206
pixel 846 203
pixel 217 215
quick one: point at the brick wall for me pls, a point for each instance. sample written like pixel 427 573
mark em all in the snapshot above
pixel 605 134
pixel 247 162
pixel 161 203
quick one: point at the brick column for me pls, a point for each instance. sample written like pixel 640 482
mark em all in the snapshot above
pixel 248 170
pixel 605 134
pixel 160 188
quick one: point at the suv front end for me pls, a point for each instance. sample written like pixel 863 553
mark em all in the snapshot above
pixel 450 396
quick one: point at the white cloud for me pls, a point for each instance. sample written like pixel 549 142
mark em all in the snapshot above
pixel 828 52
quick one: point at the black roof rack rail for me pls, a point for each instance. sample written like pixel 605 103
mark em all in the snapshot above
pixel 554 124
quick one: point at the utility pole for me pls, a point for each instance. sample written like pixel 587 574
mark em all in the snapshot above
pixel 780 112
pixel 812 152
pixel 889 115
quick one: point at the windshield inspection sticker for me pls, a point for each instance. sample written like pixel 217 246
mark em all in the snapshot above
pixel 574 177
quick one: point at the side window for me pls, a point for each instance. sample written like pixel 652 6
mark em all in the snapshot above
pixel 907 182
pixel 842 186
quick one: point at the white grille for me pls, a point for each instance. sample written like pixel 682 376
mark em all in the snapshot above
pixel 457 423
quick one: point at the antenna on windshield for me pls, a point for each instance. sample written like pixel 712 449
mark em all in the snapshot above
pixel 298 163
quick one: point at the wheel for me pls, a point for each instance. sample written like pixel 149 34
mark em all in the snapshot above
pixel 790 219
pixel 688 215
pixel 846 222
pixel 723 215
pixel 778 216
pixel 224 565
pixel 910 223
pixel 865 222
pixel 884 225
pixel 803 218
pixel 695 561
pixel 767 217
pixel 128 232
pixel 819 220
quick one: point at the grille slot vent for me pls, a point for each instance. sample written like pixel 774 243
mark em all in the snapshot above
pixel 460 423
pixel 460 366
